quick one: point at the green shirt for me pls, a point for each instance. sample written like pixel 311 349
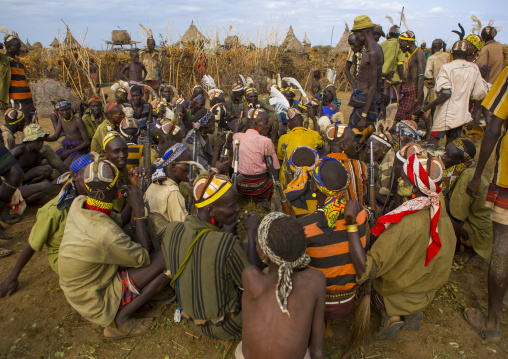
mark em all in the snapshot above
pixel 209 286
pixel 473 212
pixel 48 230
pixel 104 128
pixel 405 283
pixel 93 250
pixel 389 47
pixel 91 123
pixel 384 173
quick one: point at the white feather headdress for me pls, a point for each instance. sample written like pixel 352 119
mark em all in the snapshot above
pixel 208 81
pixel 403 18
pixel 294 82
pixel 478 27
pixel 331 75
pixel 278 100
pixel 119 84
pixel 390 19
pixel 244 83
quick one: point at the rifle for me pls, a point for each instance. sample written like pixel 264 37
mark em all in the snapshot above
pixel 81 106
pixel 288 173
pixel 192 171
pixel 280 193
pixel 372 192
pixel 235 170
pixel 147 163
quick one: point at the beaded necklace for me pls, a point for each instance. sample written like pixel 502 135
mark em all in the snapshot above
pixel 70 119
pixel 99 206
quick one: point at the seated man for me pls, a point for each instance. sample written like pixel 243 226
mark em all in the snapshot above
pixel 234 102
pixel 12 176
pixel 114 117
pixel 298 136
pixel 206 265
pixel 49 228
pixel 470 217
pixel 93 116
pixel 413 253
pixel 251 158
pixel 297 292
pixel 343 148
pixel 35 187
pixel 76 140
pixel 98 262
pixel 13 123
pixel 142 109
pixel 121 90
pixel 252 102
pixel 290 94
pixel 383 155
pixel 165 201
pixel 326 235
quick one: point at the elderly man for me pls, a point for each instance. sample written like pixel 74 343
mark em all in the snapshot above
pixel 413 253
pixel 366 110
pixel 458 82
pixel 491 54
pixel 96 253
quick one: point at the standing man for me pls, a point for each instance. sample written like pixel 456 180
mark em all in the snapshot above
pixel 152 59
pixel 491 54
pixel 438 58
pixel 497 199
pixel 364 98
pixel 393 66
pixel 13 84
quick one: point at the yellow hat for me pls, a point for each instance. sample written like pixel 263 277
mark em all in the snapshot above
pixel 209 188
pixel 362 22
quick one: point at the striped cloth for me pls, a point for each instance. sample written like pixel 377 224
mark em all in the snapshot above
pixel 358 171
pixel 497 103
pixel 328 248
pixel 19 89
pixel 7 160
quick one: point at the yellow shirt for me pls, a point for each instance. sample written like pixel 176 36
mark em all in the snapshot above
pixel 298 136
pixel 496 102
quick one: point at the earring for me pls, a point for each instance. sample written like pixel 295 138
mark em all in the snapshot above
pixel 413 195
pixel 212 220
pixel 314 195
pixel 256 128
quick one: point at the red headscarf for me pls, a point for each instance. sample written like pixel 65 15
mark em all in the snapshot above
pixel 417 174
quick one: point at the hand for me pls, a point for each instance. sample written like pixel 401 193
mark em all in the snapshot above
pixel 220 140
pixel 134 197
pixel 230 228
pixel 64 156
pixel 390 74
pixel 418 112
pixel 223 167
pixel 362 123
pixel 485 71
pixel 8 286
pixel 472 187
pixel 251 221
pixel 473 123
pixel 135 175
pixel 352 209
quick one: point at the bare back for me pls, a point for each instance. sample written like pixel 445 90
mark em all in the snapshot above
pixel 25 158
pixel 416 66
pixel 269 333
pixel 365 71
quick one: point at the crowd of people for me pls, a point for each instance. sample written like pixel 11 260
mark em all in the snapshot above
pixel 371 211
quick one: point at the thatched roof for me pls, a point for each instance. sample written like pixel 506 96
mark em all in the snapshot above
pixel 70 42
pixel 292 44
pixel 55 44
pixel 343 45
pixel 193 36
pixel 37 45
pixel 306 40
pixel 28 46
pixel 231 42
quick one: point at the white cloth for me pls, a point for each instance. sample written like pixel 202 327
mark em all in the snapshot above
pixel 465 82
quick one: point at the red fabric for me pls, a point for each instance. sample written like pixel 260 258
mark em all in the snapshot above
pixel 498 196
pixel 93 208
pixel 127 294
pixel 405 110
pixel 416 173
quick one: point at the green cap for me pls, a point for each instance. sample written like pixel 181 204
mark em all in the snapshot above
pixel 33 132
pixel 362 22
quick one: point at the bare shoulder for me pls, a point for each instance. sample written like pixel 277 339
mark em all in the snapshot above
pixel 313 277
pixel 252 279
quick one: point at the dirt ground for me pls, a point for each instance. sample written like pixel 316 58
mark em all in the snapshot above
pixel 37 322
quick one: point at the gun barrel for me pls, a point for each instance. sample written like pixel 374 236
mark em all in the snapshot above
pixel 237 155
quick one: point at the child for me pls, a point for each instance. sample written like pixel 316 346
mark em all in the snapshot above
pixel 281 245
pixel 76 140
pixel 316 84
pixel 137 71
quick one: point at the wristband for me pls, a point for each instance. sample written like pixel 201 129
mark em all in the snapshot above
pixel 364 115
pixel 138 218
pixel 352 228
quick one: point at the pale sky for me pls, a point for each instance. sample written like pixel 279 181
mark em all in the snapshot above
pixel 430 19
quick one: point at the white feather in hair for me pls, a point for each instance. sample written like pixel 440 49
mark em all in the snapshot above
pixel 244 83
pixel 403 18
pixel 331 75
pixel 390 19
pixel 149 33
pixel 249 82
pixel 279 81
pixel 208 81
pixel 119 84
pixel 278 100
pixel 212 92
pixel 478 26
pixel 4 30
pixel 491 23
pixel 294 82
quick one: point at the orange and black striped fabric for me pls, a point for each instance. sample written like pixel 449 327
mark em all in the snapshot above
pixel 134 156
pixel 328 248
pixel 19 89
pixel 358 177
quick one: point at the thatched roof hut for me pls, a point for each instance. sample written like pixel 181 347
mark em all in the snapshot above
pixel 28 46
pixel 343 45
pixel 231 42
pixel 55 44
pixel 292 44
pixel 193 36
pixel 70 42
pixel 37 46
pixel 306 42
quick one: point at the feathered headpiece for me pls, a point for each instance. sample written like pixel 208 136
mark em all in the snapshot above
pixel 278 100
pixel 461 34
pixel 331 75
pixel 208 81
pixel 390 19
pixel 149 33
pixel 403 19
pixel 244 83
pixel 478 27
pixel 294 82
